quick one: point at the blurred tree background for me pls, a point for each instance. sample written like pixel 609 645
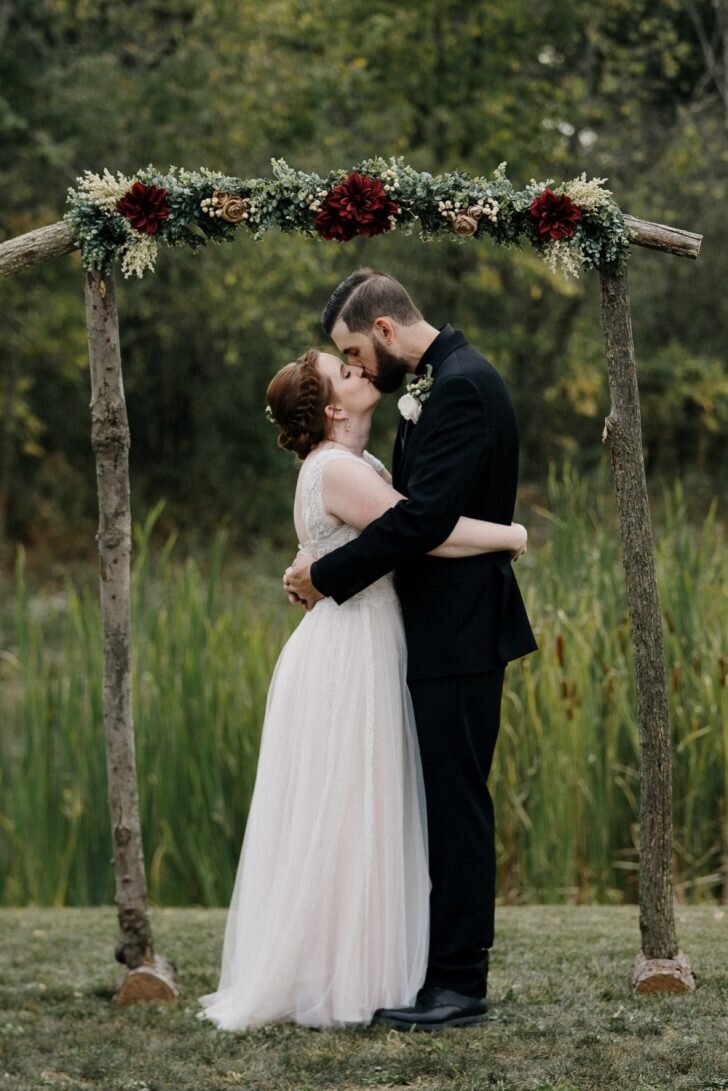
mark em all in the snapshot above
pixel 632 90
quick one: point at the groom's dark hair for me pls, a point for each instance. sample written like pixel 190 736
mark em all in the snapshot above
pixel 365 295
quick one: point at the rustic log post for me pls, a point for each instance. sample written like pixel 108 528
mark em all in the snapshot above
pixel 152 977
pixel 659 966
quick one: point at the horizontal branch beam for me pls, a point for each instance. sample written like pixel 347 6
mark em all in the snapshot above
pixel 38 246
pixel 672 240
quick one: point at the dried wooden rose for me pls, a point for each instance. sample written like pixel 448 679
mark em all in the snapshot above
pixel 230 207
pixel 227 206
pixel 464 224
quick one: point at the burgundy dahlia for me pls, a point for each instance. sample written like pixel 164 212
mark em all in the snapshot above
pixel 144 207
pixel 556 213
pixel 357 206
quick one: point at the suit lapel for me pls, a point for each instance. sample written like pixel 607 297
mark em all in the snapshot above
pixel 398 452
pixel 446 342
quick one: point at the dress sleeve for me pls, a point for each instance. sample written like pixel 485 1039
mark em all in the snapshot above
pixel 375 463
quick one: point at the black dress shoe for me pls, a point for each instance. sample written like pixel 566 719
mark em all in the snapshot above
pixel 435 1009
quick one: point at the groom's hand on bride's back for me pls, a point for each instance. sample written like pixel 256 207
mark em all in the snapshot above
pixel 298 584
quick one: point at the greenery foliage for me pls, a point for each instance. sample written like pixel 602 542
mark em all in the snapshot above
pixel 206 638
pixel 632 92
pixel 444 205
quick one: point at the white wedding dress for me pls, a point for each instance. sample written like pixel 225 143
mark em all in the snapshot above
pixel 329 914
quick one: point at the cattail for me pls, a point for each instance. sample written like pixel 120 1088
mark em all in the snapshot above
pixel 608 685
pixel 560 649
pixel 676 674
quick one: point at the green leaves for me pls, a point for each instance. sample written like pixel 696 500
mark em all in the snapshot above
pixel 620 90
pixel 451 203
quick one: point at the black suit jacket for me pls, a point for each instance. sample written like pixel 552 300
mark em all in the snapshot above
pixel 460 458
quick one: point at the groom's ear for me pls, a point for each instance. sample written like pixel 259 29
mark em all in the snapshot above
pixel 384 330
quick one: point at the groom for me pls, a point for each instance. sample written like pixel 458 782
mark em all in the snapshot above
pixel 464 619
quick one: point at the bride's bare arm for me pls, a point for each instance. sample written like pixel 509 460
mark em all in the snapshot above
pixel 356 494
pixel 473 536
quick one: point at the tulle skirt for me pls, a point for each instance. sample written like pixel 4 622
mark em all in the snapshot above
pixel 329 912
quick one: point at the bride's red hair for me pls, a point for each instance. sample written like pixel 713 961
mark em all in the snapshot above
pixel 298 395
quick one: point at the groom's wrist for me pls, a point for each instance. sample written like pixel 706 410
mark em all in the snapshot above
pixel 323 577
pixel 318 579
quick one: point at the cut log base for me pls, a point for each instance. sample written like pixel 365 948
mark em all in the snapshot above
pixel 662 975
pixel 151 981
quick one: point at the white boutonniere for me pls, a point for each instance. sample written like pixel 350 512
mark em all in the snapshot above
pixel 410 404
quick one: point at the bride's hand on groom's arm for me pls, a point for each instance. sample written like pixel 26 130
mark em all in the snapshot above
pixel 298 584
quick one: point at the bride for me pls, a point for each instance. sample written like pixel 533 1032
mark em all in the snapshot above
pixel 329 912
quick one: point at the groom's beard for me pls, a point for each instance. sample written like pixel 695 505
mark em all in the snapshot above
pixel 391 369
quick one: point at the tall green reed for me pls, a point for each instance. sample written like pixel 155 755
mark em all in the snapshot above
pixel 566 776
pixel 565 779
pixel 203 653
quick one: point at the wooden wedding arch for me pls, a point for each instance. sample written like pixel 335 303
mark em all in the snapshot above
pixel 659 966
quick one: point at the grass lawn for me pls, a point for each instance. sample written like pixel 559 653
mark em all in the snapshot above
pixel 562 1016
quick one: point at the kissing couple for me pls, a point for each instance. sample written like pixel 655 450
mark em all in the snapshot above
pixel 365 889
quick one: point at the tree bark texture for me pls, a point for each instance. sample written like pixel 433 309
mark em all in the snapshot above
pixel 110 442
pixel 671 240
pixel 662 975
pixel 150 981
pixel 623 436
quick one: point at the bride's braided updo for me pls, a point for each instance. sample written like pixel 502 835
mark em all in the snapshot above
pixel 297 398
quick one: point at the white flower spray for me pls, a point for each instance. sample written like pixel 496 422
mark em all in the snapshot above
pixel 138 254
pixel 104 189
pixel 563 256
pixel 588 195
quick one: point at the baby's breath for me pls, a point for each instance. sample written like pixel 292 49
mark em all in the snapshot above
pixel 103 190
pixel 139 254
pixel 588 195
pixel 562 256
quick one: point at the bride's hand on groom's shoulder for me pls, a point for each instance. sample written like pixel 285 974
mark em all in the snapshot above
pixel 298 584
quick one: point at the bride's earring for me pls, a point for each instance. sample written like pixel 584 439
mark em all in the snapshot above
pixel 347 426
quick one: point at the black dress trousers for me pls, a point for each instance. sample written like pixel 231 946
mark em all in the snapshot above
pixel 457 726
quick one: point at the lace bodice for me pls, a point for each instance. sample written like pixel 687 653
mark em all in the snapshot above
pixel 322 532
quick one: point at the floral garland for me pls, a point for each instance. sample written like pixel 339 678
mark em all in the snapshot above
pixel 573 225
